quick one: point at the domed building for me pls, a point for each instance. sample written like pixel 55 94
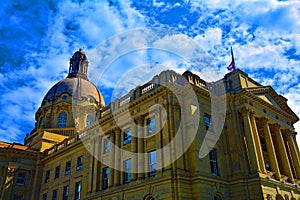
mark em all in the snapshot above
pixel 67 107
pixel 82 149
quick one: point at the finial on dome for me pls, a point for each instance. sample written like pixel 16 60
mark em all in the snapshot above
pixel 78 65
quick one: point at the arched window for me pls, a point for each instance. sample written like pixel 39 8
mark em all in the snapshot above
pixel 62 120
pixel 88 120
pixel 269 197
pixel 279 197
pixel 217 197
pixel 148 197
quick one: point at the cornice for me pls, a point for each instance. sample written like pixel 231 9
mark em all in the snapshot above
pixel 249 94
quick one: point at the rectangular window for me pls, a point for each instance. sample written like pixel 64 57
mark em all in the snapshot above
pixel 79 163
pixel 47 176
pixel 263 144
pixel 57 171
pixel 106 146
pixel 152 163
pixel 105 177
pixel 151 125
pixel 77 191
pixel 213 162
pixel 207 121
pixel 21 178
pixel 54 195
pixel 68 167
pixel 127 136
pixel 127 171
pixel 66 192
pixel 45 196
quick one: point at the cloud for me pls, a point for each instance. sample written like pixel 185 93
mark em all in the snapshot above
pixel 37 40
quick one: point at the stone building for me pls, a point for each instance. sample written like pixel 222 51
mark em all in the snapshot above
pixel 233 139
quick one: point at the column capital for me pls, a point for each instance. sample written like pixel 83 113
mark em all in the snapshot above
pixel 244 111
pixel 264 120
pixel 276 126
pixel 247 111
pixel 287 132
pixel 112 133
pixel 116 130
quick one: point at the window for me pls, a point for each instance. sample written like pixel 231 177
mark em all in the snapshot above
pixel 62 120
pixel 47 176
pixel 207 121
pixel 57 170
pixel 127 171
pixel 68 167
pixel 151 125
pixel 213 162
pixel 54 195
pixel 106 145
pixel 45 196
pixel 148 197
pixel 127 136
pixel 152 163
pixel 268 166
pixel 79 163
pixel 263 144
pixel 21 178
pixel 105 177
pixel 217 197
pixel 18 197
pixel 66 192
pixel 89 120
pixel 77 190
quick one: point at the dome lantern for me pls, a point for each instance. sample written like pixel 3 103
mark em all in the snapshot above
pixel 78 65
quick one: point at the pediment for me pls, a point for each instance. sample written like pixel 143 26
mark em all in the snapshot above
pixel 266 97
pixel 269 95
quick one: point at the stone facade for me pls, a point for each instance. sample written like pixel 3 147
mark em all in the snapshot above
pixel 126 150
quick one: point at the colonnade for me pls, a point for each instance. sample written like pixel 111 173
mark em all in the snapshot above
pixel 282 149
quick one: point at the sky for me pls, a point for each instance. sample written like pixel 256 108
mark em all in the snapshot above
pixel 39 37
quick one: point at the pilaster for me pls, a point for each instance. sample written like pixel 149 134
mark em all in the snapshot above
pixel 117 173
pixel 140 148
pixel 112 161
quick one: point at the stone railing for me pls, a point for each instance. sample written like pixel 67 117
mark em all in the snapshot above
pixel 61 131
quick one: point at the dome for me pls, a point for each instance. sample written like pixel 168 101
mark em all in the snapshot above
pixel 76 84
pixel 77 88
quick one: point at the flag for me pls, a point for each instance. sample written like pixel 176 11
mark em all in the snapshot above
pixel 231 67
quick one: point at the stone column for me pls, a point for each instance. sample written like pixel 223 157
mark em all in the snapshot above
pixel 91 166
pixel 270 148
pixel 260 156
pixel 140 148
pixel 294 153
pixel 284 161
pixel 179 143
pixel 117 173
pixel 112 160
pixel 250 139
pixel 159 140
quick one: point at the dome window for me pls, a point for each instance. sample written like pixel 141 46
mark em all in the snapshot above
pixel 62 120
pixel 89 120
pixel 64 97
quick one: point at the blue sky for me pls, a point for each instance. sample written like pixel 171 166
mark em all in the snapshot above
pixel 39 37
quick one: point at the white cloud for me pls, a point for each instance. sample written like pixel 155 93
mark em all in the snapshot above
pixel 38 40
